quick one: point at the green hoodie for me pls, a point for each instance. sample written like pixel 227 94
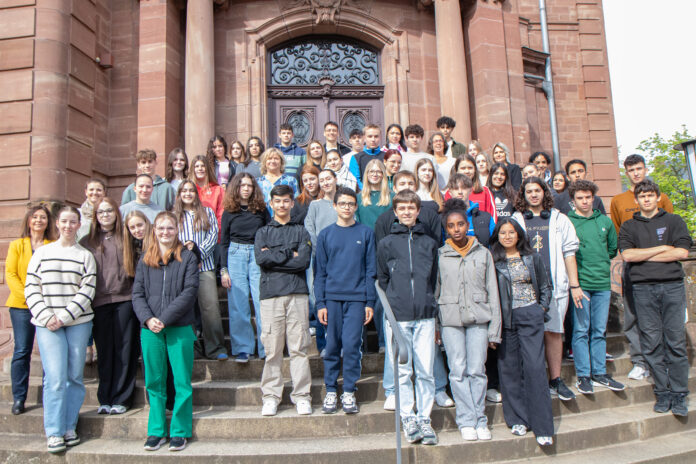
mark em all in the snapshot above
pixel 598 243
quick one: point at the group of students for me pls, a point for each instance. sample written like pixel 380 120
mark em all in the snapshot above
pixel 478 257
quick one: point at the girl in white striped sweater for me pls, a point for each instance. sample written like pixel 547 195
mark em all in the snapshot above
pixel 60 286
pixel 198 227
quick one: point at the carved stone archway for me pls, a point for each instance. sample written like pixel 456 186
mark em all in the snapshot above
pixel 349 18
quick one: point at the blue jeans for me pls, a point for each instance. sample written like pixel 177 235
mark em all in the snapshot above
pixel 23 331
pixel 467 348
pixel 245 275
pixel 388 378
pixel 589 339
pixel 63 360
pixel 420 335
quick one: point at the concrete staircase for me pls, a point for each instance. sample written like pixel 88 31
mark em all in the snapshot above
pixel 227 425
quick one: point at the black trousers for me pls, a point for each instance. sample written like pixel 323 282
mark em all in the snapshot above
pixel 523 381
pixel 661 312
pixel 492 369
pixel 115 332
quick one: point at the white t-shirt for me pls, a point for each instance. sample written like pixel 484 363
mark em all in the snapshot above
pixel 443 172
pixel 409 160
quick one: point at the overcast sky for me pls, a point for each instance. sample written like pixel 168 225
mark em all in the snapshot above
pixel 653 71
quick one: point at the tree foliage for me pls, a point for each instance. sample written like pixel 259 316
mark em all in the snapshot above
pixel 667 167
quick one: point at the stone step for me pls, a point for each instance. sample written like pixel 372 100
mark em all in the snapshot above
pixel 574 434
pixel 677 448
pixel 217 390
pixel 372 363
pixel 205 369
pixel 232 422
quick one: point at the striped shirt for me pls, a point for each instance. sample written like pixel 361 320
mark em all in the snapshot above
pixel 61 281
pixel 205 240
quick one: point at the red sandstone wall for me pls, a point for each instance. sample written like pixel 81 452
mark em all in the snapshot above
pixel 584 107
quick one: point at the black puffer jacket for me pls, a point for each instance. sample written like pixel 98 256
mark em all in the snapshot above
pixel 167 292
pixel 540 281
pixel 407 272
pixel 282 273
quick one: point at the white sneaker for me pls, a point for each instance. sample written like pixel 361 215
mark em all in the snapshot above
pixel 483 433
pixel 304 407
pixel 443 400
pixel 544 441
pixel 638 372
pixel 469 433
pixel 390 403
pixel 270 407
pixel 494 396
pixel 519 430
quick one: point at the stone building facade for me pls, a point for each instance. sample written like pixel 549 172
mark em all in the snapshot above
pixel 86 83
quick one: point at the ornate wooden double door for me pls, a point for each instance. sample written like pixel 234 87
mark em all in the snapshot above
pixel 320 79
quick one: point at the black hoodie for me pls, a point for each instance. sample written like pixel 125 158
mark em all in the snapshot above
pixel 662 229
pixel 407 271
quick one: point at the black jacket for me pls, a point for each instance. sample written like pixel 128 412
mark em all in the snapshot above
pixel 482 226
pixel 282 273
pixel 540 281
pixel 167 292
pixel 407 271
pixel 429 218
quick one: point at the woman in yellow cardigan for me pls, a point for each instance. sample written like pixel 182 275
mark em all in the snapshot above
pixel 38 229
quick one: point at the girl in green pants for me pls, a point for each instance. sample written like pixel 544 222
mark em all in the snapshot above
pixel 164 292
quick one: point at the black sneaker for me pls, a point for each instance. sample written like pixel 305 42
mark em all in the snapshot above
pixel 679 405
pixel 606 381
pixel 177 443
pixel 584 386
pixel 558 388
pixel 663 402
pixel 154 443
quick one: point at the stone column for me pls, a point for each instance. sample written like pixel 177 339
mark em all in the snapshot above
pixel 451 66
pixel 200 77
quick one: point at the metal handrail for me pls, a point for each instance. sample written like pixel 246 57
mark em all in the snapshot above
pixel 399 356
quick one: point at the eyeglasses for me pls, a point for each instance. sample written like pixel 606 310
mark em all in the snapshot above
pixel 346 204
pixel 374 171
pixel 102 212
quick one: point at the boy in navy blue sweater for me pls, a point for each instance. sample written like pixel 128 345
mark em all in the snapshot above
pixel 344 287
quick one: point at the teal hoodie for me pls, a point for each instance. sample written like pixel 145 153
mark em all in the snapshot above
pixel 598 244
pixel 163 194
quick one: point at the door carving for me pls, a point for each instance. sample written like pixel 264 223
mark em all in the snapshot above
pixel 316 80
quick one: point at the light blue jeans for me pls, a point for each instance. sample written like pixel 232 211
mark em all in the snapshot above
pixel 420 335
pixel 245 275
pixel 63 360
pixel 388 378
pixel 589 338
pixel 467 348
